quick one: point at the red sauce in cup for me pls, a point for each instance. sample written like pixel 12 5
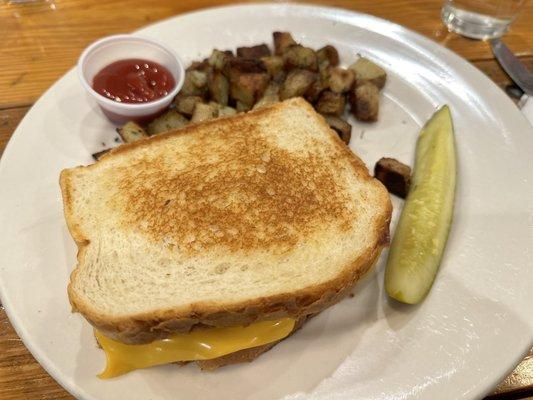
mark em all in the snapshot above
pixel 134 80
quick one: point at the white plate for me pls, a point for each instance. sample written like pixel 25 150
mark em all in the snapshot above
pixel 461 341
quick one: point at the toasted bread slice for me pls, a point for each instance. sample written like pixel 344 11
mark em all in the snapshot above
pixel 252 217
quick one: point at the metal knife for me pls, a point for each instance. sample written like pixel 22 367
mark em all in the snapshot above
pixel 513 66
pixel 518 73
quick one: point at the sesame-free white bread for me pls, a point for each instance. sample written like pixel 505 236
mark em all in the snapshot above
pixel 252 217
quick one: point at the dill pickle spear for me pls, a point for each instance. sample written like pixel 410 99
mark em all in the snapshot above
pixel 421 235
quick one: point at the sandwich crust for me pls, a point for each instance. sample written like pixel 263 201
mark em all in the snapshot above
pixel 143 206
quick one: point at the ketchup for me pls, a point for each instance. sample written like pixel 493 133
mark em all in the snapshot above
pixel 133 80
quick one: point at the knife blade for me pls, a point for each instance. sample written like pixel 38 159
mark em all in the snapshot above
pixel 513 66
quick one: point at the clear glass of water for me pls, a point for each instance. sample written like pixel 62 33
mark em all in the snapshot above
pixel 480 19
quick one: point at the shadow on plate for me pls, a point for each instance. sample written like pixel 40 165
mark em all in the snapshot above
pixel 89 130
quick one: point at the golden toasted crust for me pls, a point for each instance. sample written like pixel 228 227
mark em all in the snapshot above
pixel 146 327
pixel 203 216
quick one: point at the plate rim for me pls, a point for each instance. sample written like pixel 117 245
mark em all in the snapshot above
pixel 348 16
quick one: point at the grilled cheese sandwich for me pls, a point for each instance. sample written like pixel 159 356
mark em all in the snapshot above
pixel 246 224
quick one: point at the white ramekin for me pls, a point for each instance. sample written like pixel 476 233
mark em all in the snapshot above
pixel 119 47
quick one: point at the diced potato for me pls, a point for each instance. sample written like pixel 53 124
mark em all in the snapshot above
pixel 248 87
pixel 261 50
pixel 300 57
pixel 188 89
pixel 323 66
pixel 198 78
pixel 297 83
pixel 273 65
pixel 199 65
pixel 343 128
pixel 341 80
pixel 131 132
pixel 282 40
pixel 328 54
pixel 394 175
pixel 238 66
pixel 195 83
pixel 204 112
pixel 364 102
pixel 331 103
pixel 219 59
pixel 280 77
pixel 218 86
pixel 169 121
pixel 315 90
pixel 324 70
pixel 185 104
pixel 270 96
pixel 241 107
pixel 226 111
pixel 367 71
pixel 99 154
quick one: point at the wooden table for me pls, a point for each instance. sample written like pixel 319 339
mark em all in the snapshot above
pixel 41 40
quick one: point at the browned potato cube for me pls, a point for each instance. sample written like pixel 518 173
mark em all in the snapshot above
pixel 169 121
pixel 248 87
pixel 395 175
pixel 218 86
pixel 341 80
pixel 199 65
pixel 226 111
pixel 273 65
pixel 270 96
pixel 300 57
pixel 328 54
pixel 195 83
pixel 364 102
pixel 204 112
pixel 198 78
pixel 237 66
pixel 297 83
pixel 188 89
pixel 324 73
pixel 331 103
pixel 241 107
pixel 282 40
pixel 315 90
pixel 343 128
pixel 261 50
pixel 367 71
pixel 185 104
pixel 99 154
pixel 280 77
pixel 219 59
pixel 131 132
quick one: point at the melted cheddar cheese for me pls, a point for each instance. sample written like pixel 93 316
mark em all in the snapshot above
pixel 197 345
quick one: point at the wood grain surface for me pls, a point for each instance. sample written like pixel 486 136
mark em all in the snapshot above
pixel 41 40
pixel 9 119
pixel 21 377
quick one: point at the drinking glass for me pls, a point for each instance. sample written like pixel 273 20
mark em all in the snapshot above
pixel 480 19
